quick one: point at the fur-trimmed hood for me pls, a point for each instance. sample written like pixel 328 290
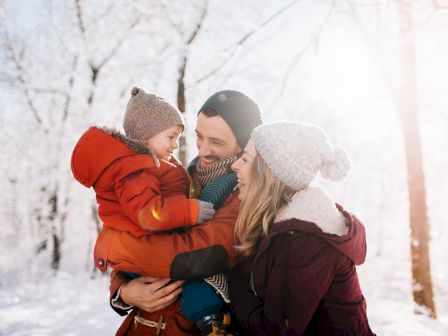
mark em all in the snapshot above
pixel 313 211
pixel 98 148
pixel 136 146
pixel 315 205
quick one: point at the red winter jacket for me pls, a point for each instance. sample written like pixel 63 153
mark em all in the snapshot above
pixel 302 280
pixel 135 191
pixel 174 322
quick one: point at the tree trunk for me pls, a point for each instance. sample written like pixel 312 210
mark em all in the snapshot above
pixel 181 81
pixel 53 217
pixel 181 107
pixel 407 105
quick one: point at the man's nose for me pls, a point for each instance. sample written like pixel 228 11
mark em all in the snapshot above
pixel 204 149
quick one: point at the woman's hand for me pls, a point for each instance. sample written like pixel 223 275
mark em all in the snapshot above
pixel 150 294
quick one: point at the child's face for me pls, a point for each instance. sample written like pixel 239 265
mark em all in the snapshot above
pixel 165 143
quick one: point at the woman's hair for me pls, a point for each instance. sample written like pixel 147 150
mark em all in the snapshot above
pixel 266 196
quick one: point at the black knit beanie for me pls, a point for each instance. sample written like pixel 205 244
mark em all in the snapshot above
pixel 239 111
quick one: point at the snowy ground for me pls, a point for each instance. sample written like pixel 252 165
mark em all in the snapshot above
pixel 65 305
pixel 68 305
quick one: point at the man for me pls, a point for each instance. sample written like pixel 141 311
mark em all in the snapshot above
pixel 224 124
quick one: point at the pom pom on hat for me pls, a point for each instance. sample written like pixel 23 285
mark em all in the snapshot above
pixel 134 91
pixel 338 168
pixel 296 152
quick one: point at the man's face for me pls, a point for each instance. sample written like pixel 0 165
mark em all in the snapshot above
pixel 215 140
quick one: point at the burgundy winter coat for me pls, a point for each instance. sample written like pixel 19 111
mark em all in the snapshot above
pixel 302 281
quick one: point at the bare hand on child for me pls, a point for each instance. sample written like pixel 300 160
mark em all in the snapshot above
pixel 151 294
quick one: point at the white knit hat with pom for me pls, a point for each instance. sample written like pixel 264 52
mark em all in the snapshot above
pixel 296 152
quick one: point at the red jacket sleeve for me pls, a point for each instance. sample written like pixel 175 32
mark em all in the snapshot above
pixel 197 252
pixel 138 191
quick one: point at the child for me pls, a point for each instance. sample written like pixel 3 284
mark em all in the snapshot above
pixel 140 188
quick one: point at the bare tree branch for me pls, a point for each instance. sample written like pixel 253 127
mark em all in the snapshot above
pixel 183 64
pixel 119 43
pixel 313 41
pixel 80 18
pixel 62 41
pixel 48 91
pixel 181 78
pixel 173 22
pixel 21 78
pixel 71 82
pixel 243 39
pixel 95 68
pixel 106 11
pixel 198 25
pixel 383 54
pixel 371 46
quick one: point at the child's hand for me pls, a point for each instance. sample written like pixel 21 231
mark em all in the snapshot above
pixel 206 211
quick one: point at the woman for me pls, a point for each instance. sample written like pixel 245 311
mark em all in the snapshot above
pixel 300 277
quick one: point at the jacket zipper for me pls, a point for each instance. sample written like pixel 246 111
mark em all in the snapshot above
pixel 252 279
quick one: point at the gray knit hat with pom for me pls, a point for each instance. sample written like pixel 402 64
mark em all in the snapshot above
pixel 147 115
pixel 296 152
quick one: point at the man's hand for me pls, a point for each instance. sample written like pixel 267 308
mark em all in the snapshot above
pixel 150 294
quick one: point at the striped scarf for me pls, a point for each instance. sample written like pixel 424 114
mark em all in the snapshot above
pixel 214 184
pixel 218 169
pixel 202 177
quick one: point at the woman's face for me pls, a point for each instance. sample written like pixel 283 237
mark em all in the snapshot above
pixel 243 168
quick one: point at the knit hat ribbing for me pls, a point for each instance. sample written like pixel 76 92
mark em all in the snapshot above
pixel 239 111
pixel 296 152
pixel 148 114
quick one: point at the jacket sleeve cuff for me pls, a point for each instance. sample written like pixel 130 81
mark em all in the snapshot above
pixel 118 304
pixel 194 210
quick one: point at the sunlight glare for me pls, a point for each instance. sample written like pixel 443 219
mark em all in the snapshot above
pixel 344 72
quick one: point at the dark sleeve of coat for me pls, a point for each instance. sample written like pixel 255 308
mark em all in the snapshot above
pixel 117 279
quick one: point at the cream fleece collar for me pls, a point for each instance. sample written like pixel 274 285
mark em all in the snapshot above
pixel 314 204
